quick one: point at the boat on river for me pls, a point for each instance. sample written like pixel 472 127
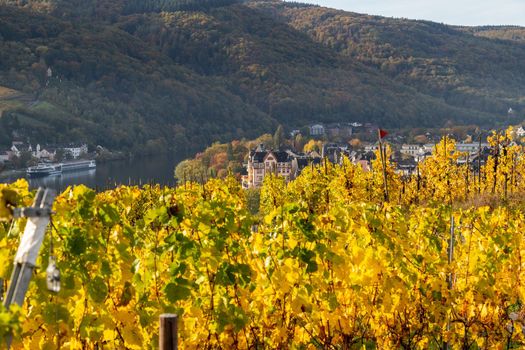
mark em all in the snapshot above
pixel 49 169
pixel 78 165
pixel 44 169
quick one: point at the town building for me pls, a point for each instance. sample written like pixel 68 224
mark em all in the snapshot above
pixel 334 153
pixel 371 147
pixel 406 166
pixel 302 161
pixel 262 162
pixel 76 151
pixel 295 132
pixel 317 130
pixel 342 130
pixel 43 153
pixel 364 160
pixel 471 148
pixel 412 149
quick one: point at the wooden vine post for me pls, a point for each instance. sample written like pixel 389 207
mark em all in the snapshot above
pixel 168 332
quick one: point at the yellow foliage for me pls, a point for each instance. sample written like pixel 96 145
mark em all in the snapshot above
pixel 330 265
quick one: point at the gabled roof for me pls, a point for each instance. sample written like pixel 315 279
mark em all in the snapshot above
pixel 281 156
pixel 368 156
pixel 303 162
pixel 258 156
pixel 406 162
pixel 261 156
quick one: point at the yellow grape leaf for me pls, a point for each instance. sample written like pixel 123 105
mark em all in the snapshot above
pixel 47 344
pixel 123 316
pixel 131 338
pixel 109 335
pixel 292 243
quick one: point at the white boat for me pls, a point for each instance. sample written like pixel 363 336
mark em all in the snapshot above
pixel 44 169
pixel 78 165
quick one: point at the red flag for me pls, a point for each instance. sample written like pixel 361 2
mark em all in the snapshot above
pixel 382 133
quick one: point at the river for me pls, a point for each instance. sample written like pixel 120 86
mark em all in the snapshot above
pixel 135 171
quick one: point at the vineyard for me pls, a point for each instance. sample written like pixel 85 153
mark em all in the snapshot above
pixel 325 263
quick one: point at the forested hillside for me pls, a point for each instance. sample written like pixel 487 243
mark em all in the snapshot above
pixel 513 33
pixel 111 89
pixel 462 66
pixel 153 75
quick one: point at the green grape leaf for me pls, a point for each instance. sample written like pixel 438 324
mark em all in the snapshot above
pixel 76 243
pixel 108 214
pixel 176 292
pixel 97 289
pixel 53 313
pixel 105 268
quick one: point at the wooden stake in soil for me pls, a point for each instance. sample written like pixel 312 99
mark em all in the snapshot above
pixel 479 165
pixel 168 332
pixel 382 154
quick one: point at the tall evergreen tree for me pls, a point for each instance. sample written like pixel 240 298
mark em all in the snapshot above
pixel 229 152
pixel 278 137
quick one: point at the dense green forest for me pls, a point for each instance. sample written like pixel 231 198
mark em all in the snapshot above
pixel 150 76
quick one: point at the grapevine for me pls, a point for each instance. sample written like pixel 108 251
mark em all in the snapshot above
pixel 326 264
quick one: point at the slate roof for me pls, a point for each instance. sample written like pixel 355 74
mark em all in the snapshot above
pixel 368 156
pixel 281 156
pixel 258 156
pixel 304 162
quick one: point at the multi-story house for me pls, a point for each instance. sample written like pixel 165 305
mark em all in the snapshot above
pixel 412 149
pixel 472 148
pixel 317 130
pixel 342 130
pixel 76 150
pixel 262 162
pixel 44 154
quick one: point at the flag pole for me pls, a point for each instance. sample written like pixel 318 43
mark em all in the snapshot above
pixel 382 153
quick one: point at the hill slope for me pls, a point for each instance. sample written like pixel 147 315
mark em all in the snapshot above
pixel 139 78
pixel 512 33
pixel 110 88
pixel 464 66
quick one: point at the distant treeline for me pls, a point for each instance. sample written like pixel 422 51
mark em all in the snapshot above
pixel 144 6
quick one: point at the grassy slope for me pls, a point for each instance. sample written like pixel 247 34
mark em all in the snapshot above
pixel 12 99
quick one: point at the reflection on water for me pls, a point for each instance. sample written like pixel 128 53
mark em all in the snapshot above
pixel 136 171
pixel 86 177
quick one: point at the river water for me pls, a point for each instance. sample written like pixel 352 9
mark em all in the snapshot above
pixel 135 171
